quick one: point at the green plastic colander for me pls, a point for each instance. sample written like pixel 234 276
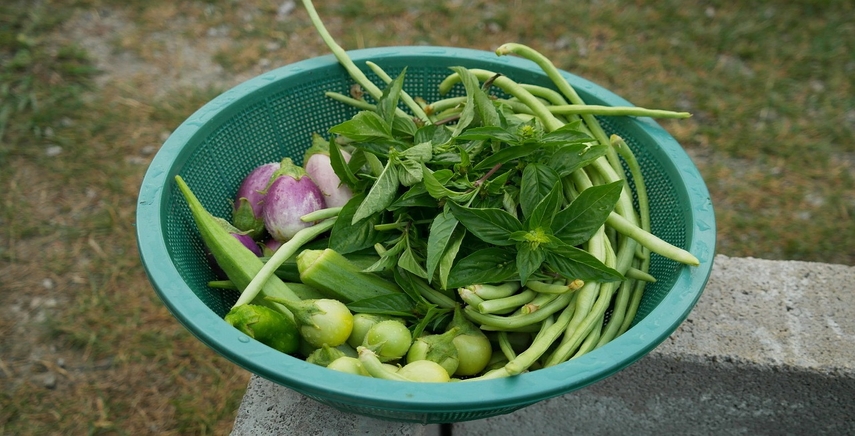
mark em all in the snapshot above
pixel 274 115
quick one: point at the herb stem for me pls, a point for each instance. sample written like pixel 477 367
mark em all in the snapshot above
pixel 486 175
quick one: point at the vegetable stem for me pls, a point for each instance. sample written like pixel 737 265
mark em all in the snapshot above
pixel 375 367
pixel 282 254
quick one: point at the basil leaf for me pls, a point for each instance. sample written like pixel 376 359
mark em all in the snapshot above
pixel 421 152
pixel 347 236
pixel 537 181
pixel 570 133
pixel 575 263
pixel 435 134
pixel 377 146
pixel 435 185
pixel 447 260
pixel 432 319
pixel 381 194
pixel 488 133
pixel 416 196
pixel 390 304
pixel 388 259
pixel 496 185
pixel 374 164
pixel 411 263
pixel 519 236
pixel 576 223
pixel 465 161
pixel 506 155
pixel 364 126
pixel 409 172
pixel 488 265
pixel 572 157
pixel 409 283
pixel 388 102
pixel 467 116
pixel 340 166
pixel 485 108
pixel 404 127
pixel 529 259
pixel 493 226
pixel 441 229
pixel 543 214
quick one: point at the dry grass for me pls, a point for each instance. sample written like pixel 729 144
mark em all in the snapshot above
pixel 86 347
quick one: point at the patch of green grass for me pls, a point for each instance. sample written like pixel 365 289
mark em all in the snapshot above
pixel 41 82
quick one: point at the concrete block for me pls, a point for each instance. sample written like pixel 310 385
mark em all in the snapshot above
pixel 271 409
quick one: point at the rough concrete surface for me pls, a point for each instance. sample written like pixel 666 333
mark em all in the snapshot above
pixel 769 349
pixel 270 409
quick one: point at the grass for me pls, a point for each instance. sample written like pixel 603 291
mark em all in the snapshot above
pixel 771 86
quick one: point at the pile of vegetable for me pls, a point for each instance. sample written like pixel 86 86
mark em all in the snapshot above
pixel 475 237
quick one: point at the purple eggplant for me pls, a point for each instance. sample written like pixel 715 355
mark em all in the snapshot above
pixel 290 195
pixel 249 200
pixel 270 246
pixel 316 161
pixel 249 243
pixel 244 238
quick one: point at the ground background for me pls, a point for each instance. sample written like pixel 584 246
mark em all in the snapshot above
pixel 89 89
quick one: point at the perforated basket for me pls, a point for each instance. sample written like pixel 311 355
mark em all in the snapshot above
pixel 274 115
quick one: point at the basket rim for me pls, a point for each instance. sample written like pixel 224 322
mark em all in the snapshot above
pixel 407 398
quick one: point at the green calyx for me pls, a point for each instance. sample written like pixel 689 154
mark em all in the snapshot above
pixel 319 146
pixel 288 168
